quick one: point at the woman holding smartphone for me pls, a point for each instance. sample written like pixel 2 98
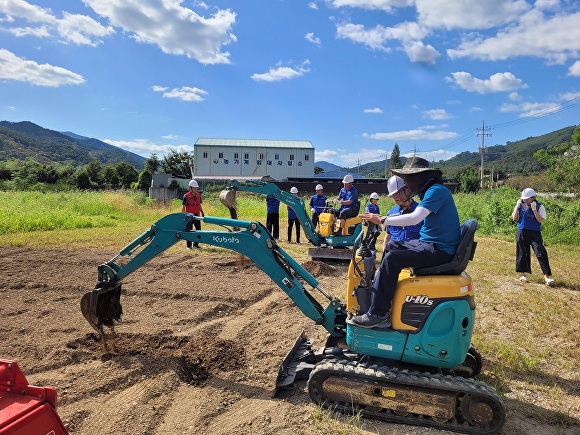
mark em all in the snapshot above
pixel 529 214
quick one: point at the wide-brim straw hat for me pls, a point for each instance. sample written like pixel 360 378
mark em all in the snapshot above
pixel 414 165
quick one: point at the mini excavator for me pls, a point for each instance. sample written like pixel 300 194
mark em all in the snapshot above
pixel 327 245
pixel 419 371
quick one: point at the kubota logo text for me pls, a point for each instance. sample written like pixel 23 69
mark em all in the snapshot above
pixel 226 239
pixel 419 299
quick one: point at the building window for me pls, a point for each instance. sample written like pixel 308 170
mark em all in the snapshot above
pixel 270 162
pixel 205 155
pixel 246 162
pixel 276 156
pixel 236 162
pixel 306 157
pixel 246 156
pixel 221 155
pixel 261 156
pixel 289 162
pixel 258 162
pixel 226 161
pixel 291 156
pixel 236 156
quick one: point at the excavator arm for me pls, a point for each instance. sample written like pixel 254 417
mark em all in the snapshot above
pixel 102 307
pixel 296 203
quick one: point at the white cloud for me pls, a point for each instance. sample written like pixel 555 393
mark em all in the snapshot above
pixel 514 96
pixel 14 68
pixel 574 69
pixel 418 52
pixel 409 34
pixel 77 29
pixel 385 5
pixel 373 110
pixel 184 93
pixel 313 5
pixel 531 110
pixel 468 14
pixel 324 155
pixel 498 82
pixel 437 114
pixel 555 38
pixel 280 73
pixel 145 147
pixel 412 135
pixel 172 27
pixel 311 38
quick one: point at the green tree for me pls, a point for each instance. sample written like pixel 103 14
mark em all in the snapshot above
pixel 94 171
pixel 127 174
pixel 111 177
pixel 469 180
pixel 396 157
pixel 177 164
pixel 563 163
pixel 152 164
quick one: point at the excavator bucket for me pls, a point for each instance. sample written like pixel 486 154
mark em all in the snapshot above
pixel 102 306
pixel 228 198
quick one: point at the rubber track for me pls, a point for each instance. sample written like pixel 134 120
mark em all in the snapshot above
pixel 363 372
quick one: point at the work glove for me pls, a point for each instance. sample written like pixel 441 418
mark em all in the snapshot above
pixel 534 205
pixel 313 210
pixel 337 201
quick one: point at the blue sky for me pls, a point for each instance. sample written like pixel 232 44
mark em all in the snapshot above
pixel 354 77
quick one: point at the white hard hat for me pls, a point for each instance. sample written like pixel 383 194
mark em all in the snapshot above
pixel 395 184
pixel 348 179
pixel 374 195
pixel 318 187
pixel 528 192
pixel 294 190
pixel 193 183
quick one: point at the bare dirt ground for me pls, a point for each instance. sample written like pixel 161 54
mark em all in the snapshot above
pixel 198 350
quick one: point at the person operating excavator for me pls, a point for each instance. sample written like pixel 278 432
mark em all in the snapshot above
pixel 438 241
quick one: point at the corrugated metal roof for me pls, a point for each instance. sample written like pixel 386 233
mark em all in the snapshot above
pixel 262 143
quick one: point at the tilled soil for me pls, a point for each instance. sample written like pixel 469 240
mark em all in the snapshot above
pixel 198 350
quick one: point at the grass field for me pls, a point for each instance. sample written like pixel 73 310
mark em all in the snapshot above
pixel 528 333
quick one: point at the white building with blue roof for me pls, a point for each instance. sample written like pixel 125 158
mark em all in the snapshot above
pixel 279 159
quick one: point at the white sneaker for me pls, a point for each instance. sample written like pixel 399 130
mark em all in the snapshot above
pixel 549 282
pixel 523 279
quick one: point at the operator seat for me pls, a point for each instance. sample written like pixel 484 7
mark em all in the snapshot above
pixel 463 254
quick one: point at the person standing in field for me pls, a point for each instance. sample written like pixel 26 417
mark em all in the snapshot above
pixel 293 219
pixel 273 216
pixel 192 204
pixel 529 214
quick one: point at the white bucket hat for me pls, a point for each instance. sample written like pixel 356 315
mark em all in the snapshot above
pixel 528 192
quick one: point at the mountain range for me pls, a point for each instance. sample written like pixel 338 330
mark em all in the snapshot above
pixel 22 140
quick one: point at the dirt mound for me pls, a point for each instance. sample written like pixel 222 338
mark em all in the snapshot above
pixel 319 268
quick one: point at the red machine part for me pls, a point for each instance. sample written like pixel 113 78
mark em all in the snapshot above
pixel 26 409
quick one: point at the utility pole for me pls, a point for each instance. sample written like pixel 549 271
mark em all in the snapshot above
pixel 483 134
pixel 386 160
